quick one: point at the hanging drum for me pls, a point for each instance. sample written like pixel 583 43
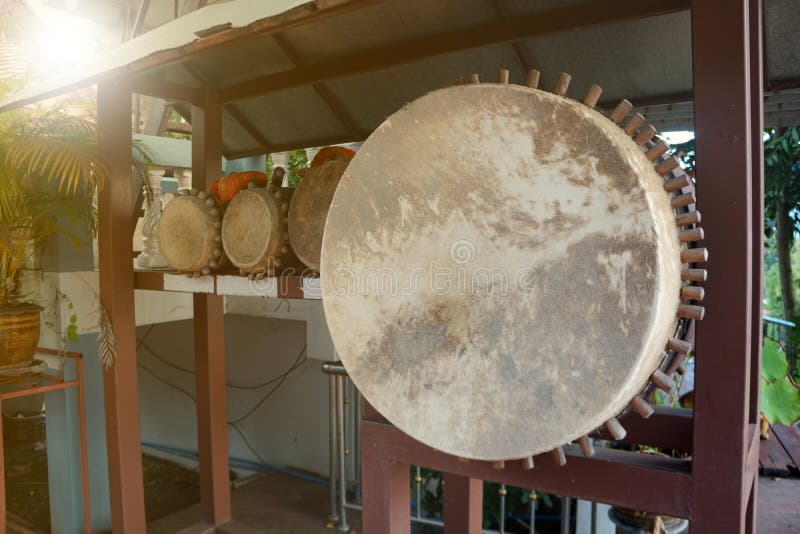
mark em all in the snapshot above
pixel 255 233
pixel 188 233
pixel 503 272
pixel 309 209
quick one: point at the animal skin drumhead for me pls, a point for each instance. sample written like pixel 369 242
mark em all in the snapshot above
pixel 501 270
pixel 185 232
pixel 247 228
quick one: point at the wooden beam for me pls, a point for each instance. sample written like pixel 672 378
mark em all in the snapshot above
pixel 463 505
pixel 502 10
pixel 589 14
pixel 209 337
pixel 147 85
pixel 179 127
pixel 723 130
pixel 309 143
pixel 653 483
pixel 334 104
pixel 120 388
pixel 141 15
pixel 231 110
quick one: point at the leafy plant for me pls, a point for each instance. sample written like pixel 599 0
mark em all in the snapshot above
pixel 780 396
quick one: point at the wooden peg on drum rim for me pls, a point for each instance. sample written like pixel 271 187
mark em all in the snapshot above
pixel 474 79
pixel 533 78
pixel 692 293
pixel 694 255
pixel 668 165
pixel 621 111
pixel 633 124
pixel 461 80
pixel 463 460
pixel 657 150
pixel 562 84
pixel 593 95
pixel 559 458
pixel 676 184
pixel 587 448
pixel 499 464
pixel 683 200
pixel 678 345
pixel 614 428
pixel 527 463
pixel 645 134
pixel 685 219
pixel 502 76
pixel 662 381
pixel 641 407
pixel 694 275
pixel 690 236
pixel 690 311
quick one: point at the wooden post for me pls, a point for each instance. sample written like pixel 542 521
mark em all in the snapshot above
pixel 463 504
pixel 723 128
pixel 209 337
pixel 387 494
pixel 120 381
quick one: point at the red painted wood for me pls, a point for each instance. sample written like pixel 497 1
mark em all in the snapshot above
pixel 463 504
pixel 772 458
pixel 209 337
pixel 646 482
pixel 386 492
pixel 120 381
pixel 723 129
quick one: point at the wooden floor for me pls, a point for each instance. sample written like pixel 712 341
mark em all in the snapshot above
pixel 780 454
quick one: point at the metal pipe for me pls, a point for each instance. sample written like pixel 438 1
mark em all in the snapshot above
pixel 340 386
pixel 532 504
pixel 418 488
pixel 566 519
pixel 503 492
pixel 334 368
pixel 333 517
pixel 359 407
pixel 594 518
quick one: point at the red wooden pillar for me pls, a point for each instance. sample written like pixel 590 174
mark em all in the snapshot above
pixel 121 394
pixel 721 482
pixel 757 144
pixel 387 494
pixel 463 504
pixel 209 337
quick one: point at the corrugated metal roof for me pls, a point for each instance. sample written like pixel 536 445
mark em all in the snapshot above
pixel 646 60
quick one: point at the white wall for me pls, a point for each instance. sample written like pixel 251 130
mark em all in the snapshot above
pixel 290 429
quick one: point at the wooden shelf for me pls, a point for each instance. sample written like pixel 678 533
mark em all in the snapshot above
pixel 285 287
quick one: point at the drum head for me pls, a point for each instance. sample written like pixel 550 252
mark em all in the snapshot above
pixel 309 209
pixel 501 270
pixel 247 228
pixel 184 233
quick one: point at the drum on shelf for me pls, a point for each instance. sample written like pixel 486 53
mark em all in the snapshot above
pixel 309 209
pixel 189 233
pixel 518 282
pixel 255 232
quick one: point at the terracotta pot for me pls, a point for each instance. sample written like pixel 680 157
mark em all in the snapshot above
pixel 19 334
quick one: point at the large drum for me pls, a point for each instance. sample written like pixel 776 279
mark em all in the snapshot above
pixel 255 232
pixel 503 271
pixel 309 209
pixel 189 233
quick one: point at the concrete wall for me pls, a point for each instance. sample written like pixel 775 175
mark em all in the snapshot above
pixel 290 428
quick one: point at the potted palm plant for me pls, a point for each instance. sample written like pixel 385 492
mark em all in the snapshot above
pixel 49 170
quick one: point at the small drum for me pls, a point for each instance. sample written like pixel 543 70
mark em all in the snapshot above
pixel 255 233
pixel 500 318
pixel 189 233
pixel 309 209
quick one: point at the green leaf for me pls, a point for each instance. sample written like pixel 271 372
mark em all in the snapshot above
pixel 72 332
pixel 780 401
pixel 773 364
pixel 73 319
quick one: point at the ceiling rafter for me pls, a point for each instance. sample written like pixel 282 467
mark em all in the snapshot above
pixel 502 10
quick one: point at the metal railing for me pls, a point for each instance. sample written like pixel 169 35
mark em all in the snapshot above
pixel 780 331
pixel 346 408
